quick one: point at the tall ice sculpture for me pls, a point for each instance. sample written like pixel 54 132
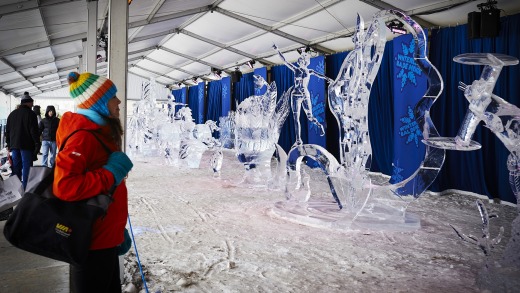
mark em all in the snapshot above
pixel 358 201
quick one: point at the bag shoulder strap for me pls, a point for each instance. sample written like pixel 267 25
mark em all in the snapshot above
pixel 93 133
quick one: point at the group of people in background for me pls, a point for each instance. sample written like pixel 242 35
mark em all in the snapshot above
pixel 27 134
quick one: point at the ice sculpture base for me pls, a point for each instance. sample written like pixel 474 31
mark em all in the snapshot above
pixel 405 223
pixel 326 214
pixel 448 143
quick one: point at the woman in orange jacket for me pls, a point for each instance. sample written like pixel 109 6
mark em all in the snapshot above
pixel 85 169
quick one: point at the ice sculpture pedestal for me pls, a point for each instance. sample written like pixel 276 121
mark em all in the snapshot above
pixel 326 214
pixel 354 201
pixel 480 97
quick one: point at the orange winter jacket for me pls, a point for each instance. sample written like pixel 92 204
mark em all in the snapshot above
pixel 79 174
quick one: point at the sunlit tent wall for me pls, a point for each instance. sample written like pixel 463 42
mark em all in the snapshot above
pixel 481 172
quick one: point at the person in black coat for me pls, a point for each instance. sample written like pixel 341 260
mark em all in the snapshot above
pixel 48 127
pixel 23 138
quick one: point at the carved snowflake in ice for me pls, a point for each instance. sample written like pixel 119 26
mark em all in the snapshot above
pixel 410 129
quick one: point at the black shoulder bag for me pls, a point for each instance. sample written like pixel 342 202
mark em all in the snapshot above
pixel 46 225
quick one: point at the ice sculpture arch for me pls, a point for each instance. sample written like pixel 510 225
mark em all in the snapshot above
pixel 358 200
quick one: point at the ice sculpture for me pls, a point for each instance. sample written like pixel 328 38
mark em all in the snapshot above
pixel 485 242
pixel 196 138
pixel 153 131
pixel 483 104
pixel 503 119
pixel 142 126
pixel 227 130
pixel 299 93
pixel 357 201
pixel 258 120
pixel 172 105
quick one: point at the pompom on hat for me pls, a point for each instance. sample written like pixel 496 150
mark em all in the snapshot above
pixel 91 91
pixel 26 98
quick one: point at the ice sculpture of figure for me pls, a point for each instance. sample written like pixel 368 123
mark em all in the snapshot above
pixel 503 119
pixel 299 93
pixel 357 199
pixel 171 107
pixel 258 120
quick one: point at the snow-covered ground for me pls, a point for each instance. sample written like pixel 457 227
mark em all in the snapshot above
pixel 195 233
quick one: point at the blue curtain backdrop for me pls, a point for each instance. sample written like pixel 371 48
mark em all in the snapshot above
pixel 243 89
pixel 381 113
pixel 214 110
pixel 483 171
pixel 196 102
pixel 180 97
pixel 226 95
pixel 318 103
pixel 409 84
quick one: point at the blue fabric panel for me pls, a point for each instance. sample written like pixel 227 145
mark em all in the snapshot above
pixel 226 95
pixel 317 92
pixel 180 97
pixel 201 118
pixel 409 86
pixel 243 89
pixel 214 110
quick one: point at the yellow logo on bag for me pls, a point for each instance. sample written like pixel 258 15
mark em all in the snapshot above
pixel 63 230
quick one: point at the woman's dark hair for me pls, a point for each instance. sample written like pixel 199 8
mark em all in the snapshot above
pixel 117 131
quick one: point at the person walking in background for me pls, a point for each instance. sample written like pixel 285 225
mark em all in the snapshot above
pixel 38 110
pixel 23 138
pixel 48 127
pixel 84 169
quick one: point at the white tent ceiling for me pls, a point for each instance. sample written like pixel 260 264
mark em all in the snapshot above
pixel 176 40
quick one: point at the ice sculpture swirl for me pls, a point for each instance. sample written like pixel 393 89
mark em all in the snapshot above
pixel 351 187
pixel 430 167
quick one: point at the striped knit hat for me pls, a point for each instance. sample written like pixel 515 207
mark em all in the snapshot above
pixel 91 91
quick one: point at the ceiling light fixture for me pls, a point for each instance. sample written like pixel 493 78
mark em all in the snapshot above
pixel 307 49
pixel 396 27
pixel 251 64
pixel 216 72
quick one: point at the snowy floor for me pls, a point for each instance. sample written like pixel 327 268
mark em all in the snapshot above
pixel 195 233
